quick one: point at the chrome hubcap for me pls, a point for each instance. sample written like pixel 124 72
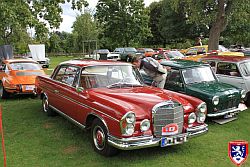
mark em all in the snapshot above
pixel 99 138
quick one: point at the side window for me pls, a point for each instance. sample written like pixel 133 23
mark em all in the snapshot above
pixel 192 51
pixel 226 68
pixel 174 79
pixel 245 68
pixel 201 50
pixel 67 75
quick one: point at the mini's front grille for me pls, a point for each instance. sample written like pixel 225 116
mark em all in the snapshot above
pixel 166 113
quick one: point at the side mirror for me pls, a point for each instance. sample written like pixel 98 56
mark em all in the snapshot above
pixel 79 89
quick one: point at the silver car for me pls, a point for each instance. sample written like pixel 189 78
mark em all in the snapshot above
pixel 234 70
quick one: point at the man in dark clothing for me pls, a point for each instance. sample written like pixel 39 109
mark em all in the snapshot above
pixel 153 69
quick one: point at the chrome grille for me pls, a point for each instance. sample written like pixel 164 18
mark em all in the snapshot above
pixel 232 102
pixel 166 113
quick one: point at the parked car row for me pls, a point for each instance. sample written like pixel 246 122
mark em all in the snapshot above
pixel 111 99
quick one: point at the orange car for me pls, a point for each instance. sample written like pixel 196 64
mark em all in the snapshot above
pixel 147 52
pixel 17 76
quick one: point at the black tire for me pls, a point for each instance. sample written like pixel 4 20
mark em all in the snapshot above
pixel 99 139
pixel 3 93
pixel 45 104
pixel 247 102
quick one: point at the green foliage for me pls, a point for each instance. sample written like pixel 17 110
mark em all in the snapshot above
pixel 37 14
pixel 209 14
pixel 124 22
pixel 84 29
pixel 155 13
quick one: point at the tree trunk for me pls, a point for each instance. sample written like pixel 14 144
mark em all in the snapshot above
pixel 218 26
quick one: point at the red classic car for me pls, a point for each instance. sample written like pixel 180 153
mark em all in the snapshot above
pixel 110 99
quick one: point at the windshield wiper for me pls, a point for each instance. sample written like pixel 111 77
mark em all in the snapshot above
pixel 123 84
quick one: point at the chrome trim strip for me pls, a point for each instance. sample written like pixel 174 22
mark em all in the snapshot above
pixel 224 112
pixel 197 130
pixel 69 118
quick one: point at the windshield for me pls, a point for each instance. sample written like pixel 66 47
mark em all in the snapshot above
pixel 149 50
pixel 223 49
pixel 198 75
pixel 245 68
pixel 130 49
pixel 175 54
pixel 109 76
pixel 24 66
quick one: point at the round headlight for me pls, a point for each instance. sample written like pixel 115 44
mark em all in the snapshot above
pixel 215 100
pixel 130 118
pixel 202 107
pixel 145 125
pixel 201 118
pixel 129 129
pixel 243 94
pixel 191 118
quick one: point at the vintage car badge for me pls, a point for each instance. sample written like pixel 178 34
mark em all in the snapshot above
pixel 170 129
pixel 238 151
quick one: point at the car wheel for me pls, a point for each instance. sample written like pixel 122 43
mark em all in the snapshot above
pixel 3 93
pixel 100 139
pixel 247 102
pixel 46 107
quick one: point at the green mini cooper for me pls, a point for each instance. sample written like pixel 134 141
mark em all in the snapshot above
pixel 198 79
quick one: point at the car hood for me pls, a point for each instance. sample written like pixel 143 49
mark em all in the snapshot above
pixel 228 53
pixel 210 89
pixel 140 100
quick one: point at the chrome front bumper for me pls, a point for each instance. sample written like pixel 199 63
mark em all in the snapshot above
pixel 224 112
pixel 151 141
pixel 197 130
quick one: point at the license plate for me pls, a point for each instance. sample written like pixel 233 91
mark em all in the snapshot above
pixel 230 115
pixel 30 87
pixel 173 140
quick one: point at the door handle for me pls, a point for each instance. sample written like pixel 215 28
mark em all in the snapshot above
pixel 56 91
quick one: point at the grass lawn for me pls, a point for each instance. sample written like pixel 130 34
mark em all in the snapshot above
pixel 34 140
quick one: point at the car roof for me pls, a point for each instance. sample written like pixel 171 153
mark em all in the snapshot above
pixel 86 63
pixel 182 64
pixel 227 58
pixel 19 60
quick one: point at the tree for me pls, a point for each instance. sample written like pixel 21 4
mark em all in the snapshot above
pixel 84 29
pixel 155 13
pixel 124 21
pixel 214 14
pixel 41 15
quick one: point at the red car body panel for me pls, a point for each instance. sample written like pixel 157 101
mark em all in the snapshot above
pixel 111 104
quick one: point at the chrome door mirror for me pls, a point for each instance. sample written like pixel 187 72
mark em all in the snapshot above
pixel 79 89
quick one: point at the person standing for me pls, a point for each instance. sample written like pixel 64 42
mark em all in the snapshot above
pixel 198 42
pixel 152 68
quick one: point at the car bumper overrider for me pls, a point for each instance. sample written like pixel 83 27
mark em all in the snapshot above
pixel 197 130
pixel 234 110
pixel 151 141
